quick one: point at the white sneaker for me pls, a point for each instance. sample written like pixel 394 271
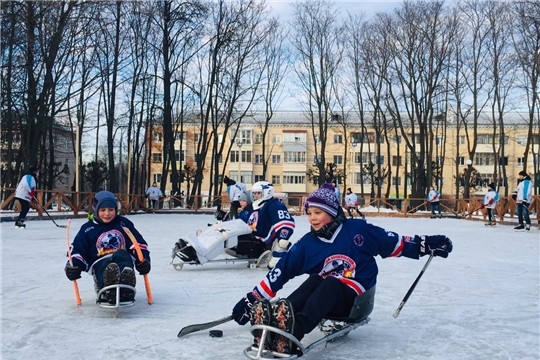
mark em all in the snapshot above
pixel 528 227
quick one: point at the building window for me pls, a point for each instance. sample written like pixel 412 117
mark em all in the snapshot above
pixel 484 159
pixel 258 139
pixel 246 156
pixel 294 157
pixel 396 180
pixel 522 140
pixel 66 163
pixel 396 160
pixel 276 179
pixel 338 139
pixel 338 159
pixel 484 138
pixel 397 139
pixel 317 139
pixel 440 140
pixel 234 156
pixel 461 140
pixel 380 139
pixel 461 160
pixel 439 160
pixel 258 159
pixel 520 161
pixel 316 160
pixel 196 137
pixel 244 136
pixel 357 179
pixel 294 178
pixel 245 177
pixel 180 155
pixel 157 137
pixel 379 160
pixel 503 160
pixel 276 139
pixel 156 178
pixel 276 159
pixel 258 178
pixel 294 137
pixel 181 135
pixel 156 158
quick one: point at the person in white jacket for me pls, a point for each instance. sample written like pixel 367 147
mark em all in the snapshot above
pixel 351 203
pixel 25 194
pixel 523 199
pixel 490 202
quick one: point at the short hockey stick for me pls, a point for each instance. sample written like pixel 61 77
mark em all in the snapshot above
pixel 411 289
pixel 75 285
pixel 198 327
pixel 141 258
pixel 49 215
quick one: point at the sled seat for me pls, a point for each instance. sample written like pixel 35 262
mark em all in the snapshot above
pixel 363 306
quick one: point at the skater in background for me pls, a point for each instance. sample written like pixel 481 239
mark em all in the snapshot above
pixel 336 189
pixel 153 193
pixel 234 189
pixel 26 195
pixel 351 203
pixel 245 206
pixel 103 249
pixel 490 202
pixel 433 198
pixel 339 257
pixel 523 199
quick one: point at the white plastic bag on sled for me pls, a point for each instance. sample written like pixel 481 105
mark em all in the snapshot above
pixel 211 241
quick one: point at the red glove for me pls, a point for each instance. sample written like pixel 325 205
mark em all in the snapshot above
pixel 482 206
pixel 356 203
pixel 427 202
pixel 435 197
pixel 490 201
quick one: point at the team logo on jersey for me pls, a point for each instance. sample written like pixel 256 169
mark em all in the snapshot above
pixel 252 221
pixel 358 240
pixel 338 266
pixel 283 234
pixel 109 242
pixel 407 239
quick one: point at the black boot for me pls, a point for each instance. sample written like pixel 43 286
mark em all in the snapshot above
pixel 111 276
pixel 127 277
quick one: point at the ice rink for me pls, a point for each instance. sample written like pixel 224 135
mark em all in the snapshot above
pixel 480 303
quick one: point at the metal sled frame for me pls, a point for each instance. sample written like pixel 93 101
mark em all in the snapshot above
pixel 260 353
pixel 359 315
pixel 118 304
pixel 252 262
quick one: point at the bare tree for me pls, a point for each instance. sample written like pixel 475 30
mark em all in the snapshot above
pixel 318 42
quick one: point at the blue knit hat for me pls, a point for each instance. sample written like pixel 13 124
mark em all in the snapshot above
pixel 104 199
pixel 324 198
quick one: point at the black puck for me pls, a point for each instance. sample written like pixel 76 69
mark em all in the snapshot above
pixel 216 333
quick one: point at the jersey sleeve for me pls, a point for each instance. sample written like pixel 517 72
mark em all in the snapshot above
pixel 283 223
pixel 385 243
pixel 79 253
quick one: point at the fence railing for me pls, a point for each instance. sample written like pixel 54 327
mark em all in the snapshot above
pixel 78 204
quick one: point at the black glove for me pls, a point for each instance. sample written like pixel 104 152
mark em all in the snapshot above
pixel 514 195
pixel 241 310
pixel 219 214
pixel 73 272
pixel 143 267
pixel 438 245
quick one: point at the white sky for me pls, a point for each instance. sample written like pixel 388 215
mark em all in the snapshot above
pixel 480 303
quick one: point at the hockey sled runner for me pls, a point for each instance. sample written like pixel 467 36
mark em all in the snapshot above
pixel 332 328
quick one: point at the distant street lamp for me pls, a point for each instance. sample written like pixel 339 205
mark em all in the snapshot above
pixel 353 146
pixel 239 143
pixel 467 182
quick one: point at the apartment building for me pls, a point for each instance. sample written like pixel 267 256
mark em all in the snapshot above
pixel 290 150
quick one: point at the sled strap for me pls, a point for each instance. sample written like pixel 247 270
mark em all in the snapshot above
pixel 221 231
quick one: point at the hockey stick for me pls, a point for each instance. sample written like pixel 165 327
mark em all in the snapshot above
pixel 198 327
pixel 141 258
pixel 75 285
pixel 49 215
pixel 411 289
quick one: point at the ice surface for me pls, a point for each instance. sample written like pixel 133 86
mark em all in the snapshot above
pixel 480 303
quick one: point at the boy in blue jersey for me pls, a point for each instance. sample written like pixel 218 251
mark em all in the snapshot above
pixel 103 249
pixel 490 201
pixel 338 254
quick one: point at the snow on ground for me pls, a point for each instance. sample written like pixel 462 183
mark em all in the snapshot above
pixel 480 303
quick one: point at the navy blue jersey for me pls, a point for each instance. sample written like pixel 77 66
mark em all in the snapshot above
pixel 271 222
pixel 349 256
pixel 95 242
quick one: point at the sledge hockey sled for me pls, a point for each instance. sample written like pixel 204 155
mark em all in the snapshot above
pixel 334 329
pixel 119 304
pixel 211 243
pixel 255 263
